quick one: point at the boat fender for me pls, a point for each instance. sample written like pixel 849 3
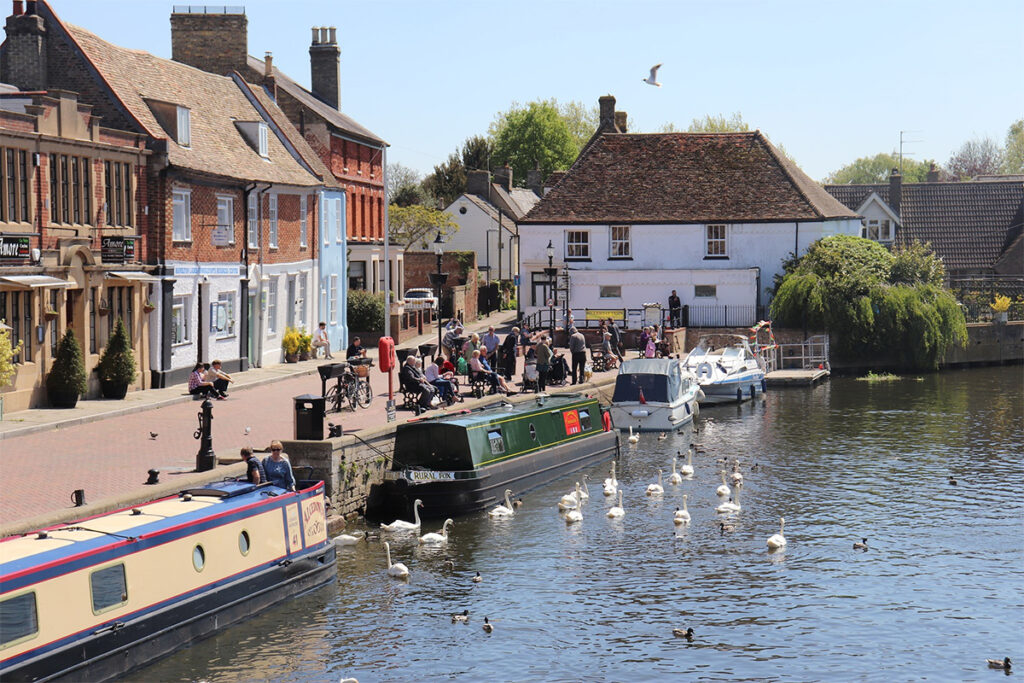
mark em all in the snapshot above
pixel 704 370
pixel 764 385
pixel 606 420
pixel 753 391
pixel 739 394
pixel 687 408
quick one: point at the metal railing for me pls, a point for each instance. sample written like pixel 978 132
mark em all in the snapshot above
pixel 636 318
pixel 813 352
pixel 976 292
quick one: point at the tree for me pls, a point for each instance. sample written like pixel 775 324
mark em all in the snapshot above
pixel 582 121
pixel 976 157
pixel 1013 155
pixel 719 124
pixel 400 178
pixel 447 181
pixel 7 353
pixel 891 308
pixel 476 153
pixel 535 136
pixel 417 224
pixel 117 364
pixel 876 169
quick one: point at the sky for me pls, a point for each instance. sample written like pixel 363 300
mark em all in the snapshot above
pixel 829 81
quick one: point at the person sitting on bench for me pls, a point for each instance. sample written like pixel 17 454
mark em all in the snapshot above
pixel 413 380
pixel 480 367
pixel 442 381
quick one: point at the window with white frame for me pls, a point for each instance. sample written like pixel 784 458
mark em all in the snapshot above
pixel 705 291
pixel 620 243
pixel 325 223
pixel 179 320
pixel 272 305
pixel 184 126
pixel 715 245
pixel 877 230
pixel 182 204
pixel 610 292
pixel 338 234
pixel 272 216
pixel 222 314
pixel 332 299
pixel 577 244
pixel 300 305
pixel 303 227
pixel 253 222
pixel 263 140
pixel 226 217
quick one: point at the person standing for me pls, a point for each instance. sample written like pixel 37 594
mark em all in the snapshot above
pixel 578 350
pixel 544 354
pixel 675 308
pixel 254 473
pixel 278 469
pixel 509 351
pixel 490 343
pixel 320 339
pixel 613 330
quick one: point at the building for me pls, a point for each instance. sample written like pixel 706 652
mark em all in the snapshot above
pixel 711 215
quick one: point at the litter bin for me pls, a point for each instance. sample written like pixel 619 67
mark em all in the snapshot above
pixel 309 417
pixel 402 354
pixel 427 350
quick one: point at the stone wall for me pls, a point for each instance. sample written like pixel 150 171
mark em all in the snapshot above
pixel 462 276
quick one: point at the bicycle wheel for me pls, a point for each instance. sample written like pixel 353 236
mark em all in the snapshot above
pixel 351 389
pixel 364 394
pixel 332 399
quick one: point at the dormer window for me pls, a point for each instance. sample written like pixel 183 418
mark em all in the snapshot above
pixel 256 135
pixel 184 126
pixel 263 140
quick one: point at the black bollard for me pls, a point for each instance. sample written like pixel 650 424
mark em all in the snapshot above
pixel 206 459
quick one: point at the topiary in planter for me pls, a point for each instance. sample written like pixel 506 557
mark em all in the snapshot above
pixel 66 380
pixel 117 369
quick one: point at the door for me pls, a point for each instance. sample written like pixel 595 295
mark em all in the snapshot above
pixel 252 329
pixel 290 302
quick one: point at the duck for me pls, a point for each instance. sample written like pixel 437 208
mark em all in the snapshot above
pixel 449 564
pixel 952 481
pixel 1003 663
pixel 732 505
pixel 396 570
pixel 488 626
pixel 683 633
pixel 681 516
pixel 736 477
pixel 477 578
pixel 517 503
pixel 438 538
pixel 611 484
pixel 656 489
pixel 675 478
pixel 633 438
pixel 617 511
pixel 862 544
pixel 723 491
pixel 461 618
pixel 349 539
pixel 687 469
pixel 662 436
pixel 724 528
pixel 505 510
pixel 401 524
pixel 776 541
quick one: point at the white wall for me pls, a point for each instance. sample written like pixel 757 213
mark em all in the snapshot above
pixel 472 235
pixel 288 311
pixel 211 280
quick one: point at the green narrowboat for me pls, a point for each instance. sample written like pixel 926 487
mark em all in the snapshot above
pixel 463 462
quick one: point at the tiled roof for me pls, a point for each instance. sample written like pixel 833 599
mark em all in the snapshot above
pixel 217 147
pixel 330 114
pixel 685 178
pixel 968 224
pixel 524 200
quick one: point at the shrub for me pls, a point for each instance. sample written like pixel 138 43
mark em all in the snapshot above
pixel 365 311
pixel 7 353
pixel 117 364
pixel 290 340
pixel 305 341
pixel 67 376
pixel 1000 304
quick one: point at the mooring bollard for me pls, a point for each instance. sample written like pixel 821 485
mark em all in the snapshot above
pixel 206 459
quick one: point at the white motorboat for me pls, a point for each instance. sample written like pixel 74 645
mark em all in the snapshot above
pixel 727 372
pixel 654 395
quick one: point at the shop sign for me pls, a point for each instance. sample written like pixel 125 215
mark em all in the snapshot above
pixel 14 247
pixel 117 249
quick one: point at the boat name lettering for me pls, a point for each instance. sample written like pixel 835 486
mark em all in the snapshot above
pixel 420 475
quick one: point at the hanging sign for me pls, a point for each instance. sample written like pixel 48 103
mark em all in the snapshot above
pixel 14 247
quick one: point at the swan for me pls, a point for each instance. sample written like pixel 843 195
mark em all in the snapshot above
pixel 438 538
pixel 611 484
pixel 687 469
pixel 732 505
pixel 675 478
pixel 569 501
pixel 680 633
pixel 736 477
pixel 656 489
pixel 1003 663
pixel 618 510
pixel 682 516
pixel 349 539
pixel 505 510
pixel 573 516
pixel 723 491
pixel 401 524
pixel 862 544
pixel 488 626
pixel 633 438
pixel 461 618
pixel 477 578
pixel 662 436
pixel 585 493
pixel 397 570
pixel 776 541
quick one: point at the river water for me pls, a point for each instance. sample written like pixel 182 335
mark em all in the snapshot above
pixel 940 589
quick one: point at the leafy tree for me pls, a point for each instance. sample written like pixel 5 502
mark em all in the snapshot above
pixel 876 169
pixel 533 136
pixel 7 352
pixel 976 157
pixel 476 153
pixel 1013 155
pixel 719 124
pixel 400 178
pixel 67 374
pixel 447 181
pixel 581 119
pixel 417 224
pixel 876 304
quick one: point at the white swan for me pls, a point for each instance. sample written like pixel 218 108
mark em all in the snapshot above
pixel 585 493
pixel 633 438
pixel 736 477
pixel 723 491
pixel 573 516
pixel 776 541
pixel 682 516
pixel 569 501
pixel 611 484
pixel 732 505
pixel 656 489
pixel 397 570
pixel 438 538
pixel 618 510
pixel 687 469
pixel 349 539
pixel 401 524
pixel 675 478
pixel 505 510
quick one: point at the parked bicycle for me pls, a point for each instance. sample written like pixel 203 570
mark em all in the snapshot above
pixel 352 387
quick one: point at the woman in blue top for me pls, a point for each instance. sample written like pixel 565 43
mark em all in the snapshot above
pixel 278 469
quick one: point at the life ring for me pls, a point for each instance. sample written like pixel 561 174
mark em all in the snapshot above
pixel 705 371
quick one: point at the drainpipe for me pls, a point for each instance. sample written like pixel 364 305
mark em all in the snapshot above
pixel 243 286
pixel 258 351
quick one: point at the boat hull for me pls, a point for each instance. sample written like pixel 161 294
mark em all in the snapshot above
pixel 654 417
pixel 486 486
pixel 733 390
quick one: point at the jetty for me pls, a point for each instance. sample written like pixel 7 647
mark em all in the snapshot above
pixel 799 364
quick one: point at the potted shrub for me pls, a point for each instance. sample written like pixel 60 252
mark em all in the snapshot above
pixel 50 314
pixel 1000 305
pixel 7 353
pixel 116 368
pixel 148 306
pixel 66 379
pixel 290 344
pixel 305 344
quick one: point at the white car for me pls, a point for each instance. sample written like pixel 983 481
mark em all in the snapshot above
pixel 420 297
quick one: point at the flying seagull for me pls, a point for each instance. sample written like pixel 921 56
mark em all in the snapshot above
pixel 653 78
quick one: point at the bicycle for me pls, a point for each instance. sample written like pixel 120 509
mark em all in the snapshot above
pixel 364 392
pixel 345 390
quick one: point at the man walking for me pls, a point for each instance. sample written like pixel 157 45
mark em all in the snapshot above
pixel 578 349
pixel 544 354
pixel 675 308
pixel 613 330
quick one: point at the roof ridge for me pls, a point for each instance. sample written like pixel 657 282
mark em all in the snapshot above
pixel 784 164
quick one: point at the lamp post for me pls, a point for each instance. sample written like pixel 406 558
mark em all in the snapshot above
pixel 550 272
pixel 437 280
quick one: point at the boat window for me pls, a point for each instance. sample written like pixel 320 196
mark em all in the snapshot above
pixel 198 558
pixel 497 443
pixel 243 542
pixel 108 588
pixel 18 619
pixel 533 432
pixel 631 387
pixel 585 420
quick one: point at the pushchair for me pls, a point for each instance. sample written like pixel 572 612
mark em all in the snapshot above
pixel 559 372
pixel 531 377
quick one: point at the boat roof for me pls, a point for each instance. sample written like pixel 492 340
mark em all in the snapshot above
pixel 472 418
pixel 94 534
pixel 648 366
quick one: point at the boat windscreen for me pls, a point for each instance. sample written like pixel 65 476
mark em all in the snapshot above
pixel 654 388
pixel 432 446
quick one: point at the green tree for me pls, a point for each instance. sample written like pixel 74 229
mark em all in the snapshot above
pixel 719 124
pixel 582 121
pixel 365 311
pixel 67 374
pixel 876 169
pixel 476 153
pixel 533 136
pixel 976 157
pixel 416 225
pixel 1013 154
pixel 447 181
pixel 117 364
pixel 877 305
pixel 7 353
pixel 400 179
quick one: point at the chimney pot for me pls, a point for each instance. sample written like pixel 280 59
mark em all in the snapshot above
pixel 620 121
pixel 316 35
pixel 18 8
pixel 268 64
pixel 334 35
pixel 933 174
pixel 323 35
pixel 30 7
pixel 606 120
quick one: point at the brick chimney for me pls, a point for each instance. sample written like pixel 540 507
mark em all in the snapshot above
pixel 534 182
pixel 325 66
pixel 895 190
pixel 479 183
pixel 269 81
pixel 606 118
pixel 503 176
pixel 620 121
pixel 217 42
pixel 933 174
pixel 24 57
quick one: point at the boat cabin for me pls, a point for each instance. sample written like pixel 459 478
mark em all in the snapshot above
pixel 651 380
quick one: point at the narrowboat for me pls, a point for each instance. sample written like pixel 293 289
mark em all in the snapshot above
pixel 462 463
pixel 100 597
pixel 727 368
pixel 654 395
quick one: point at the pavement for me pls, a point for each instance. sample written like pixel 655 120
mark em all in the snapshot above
pixel 107 447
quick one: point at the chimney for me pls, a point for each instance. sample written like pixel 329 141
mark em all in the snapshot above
pixel 18 11
pixel 24 57
pixel 503 177
pixel 606 119
pixel 534 182
pixel 325 66
pixel 553 180
pixel 217 42
pixel 933 174
pixel 620 121
pixel 895 190
pixel 269 82
pixel 478 182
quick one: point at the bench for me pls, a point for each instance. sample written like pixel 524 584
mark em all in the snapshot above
pixel 598 361
pixel 478 385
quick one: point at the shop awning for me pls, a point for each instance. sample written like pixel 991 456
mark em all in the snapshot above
pixel 137 275
pixel 33 281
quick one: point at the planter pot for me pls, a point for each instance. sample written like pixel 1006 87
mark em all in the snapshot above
pixel 148 309
pixel 303 355
pixel 114 390
pixel 1001 317
pixel 61 399
pixel 50 315
pixel 291 357
pixel 103 311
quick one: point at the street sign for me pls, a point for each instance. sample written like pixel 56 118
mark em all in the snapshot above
pixel 515 280
pixel 392 413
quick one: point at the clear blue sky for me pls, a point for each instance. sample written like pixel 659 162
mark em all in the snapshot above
pixel 829 81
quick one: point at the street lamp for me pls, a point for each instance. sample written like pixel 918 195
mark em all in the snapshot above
pixel 550 272
pixel 437 280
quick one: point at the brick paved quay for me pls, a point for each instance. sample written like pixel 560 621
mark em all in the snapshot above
pixel 105 448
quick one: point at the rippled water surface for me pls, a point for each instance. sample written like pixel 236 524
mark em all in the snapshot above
pixel 940 590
